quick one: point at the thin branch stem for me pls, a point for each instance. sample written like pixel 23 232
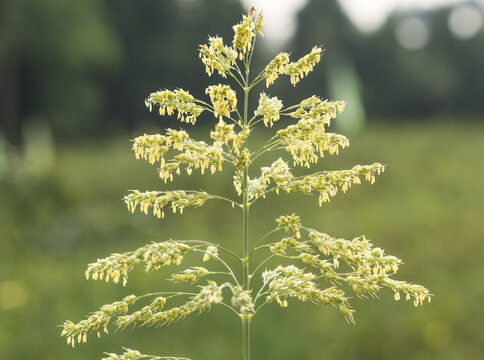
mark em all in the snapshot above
pixel 259 293
pixel 223 262
pixel 257 79
pixel 153 357
pixel 236 122
pixel 260 265
pixel 263 237
pixel 258 76
pixel 234 203
pixel 235 78
pixel 273 140
pixel 240 116
pixel 252 119
pixel 210 107
pixel 216 245
pixel 172 293
pixel 251 52
pixel 255 122
pixel 219 273
pixel 267 150
pixel 291 107
pixel 230 307
pixel 238 70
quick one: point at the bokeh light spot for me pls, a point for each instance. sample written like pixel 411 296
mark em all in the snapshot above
pixel 465 22
pixel 412 33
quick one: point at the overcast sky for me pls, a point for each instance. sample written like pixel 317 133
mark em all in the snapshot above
pixel 367 15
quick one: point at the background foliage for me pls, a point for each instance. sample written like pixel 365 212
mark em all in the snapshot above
pixel 73 78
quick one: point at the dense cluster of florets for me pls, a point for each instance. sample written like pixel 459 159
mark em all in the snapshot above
pixel 303 66
pixel 217 57
pixel 223 98
pixel 269 109
pixel 276 67
pixel 158 200
pixel 153 256
pixel 179 100
pixel 371 269
pixel 99 319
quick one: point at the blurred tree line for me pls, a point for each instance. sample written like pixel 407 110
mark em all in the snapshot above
pixel 85 66
pixel 442 78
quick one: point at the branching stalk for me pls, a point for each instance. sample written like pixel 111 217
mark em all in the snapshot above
pixel 368 269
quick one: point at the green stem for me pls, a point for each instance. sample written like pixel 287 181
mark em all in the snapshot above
pixel 245 230
pixel 245 234
pixel 246 337
pixel 245 196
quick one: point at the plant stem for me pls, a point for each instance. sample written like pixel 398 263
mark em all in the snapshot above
pixel 246 337
pixel 245 265
pixel 245 232
pixel 245 235
pixel 245 207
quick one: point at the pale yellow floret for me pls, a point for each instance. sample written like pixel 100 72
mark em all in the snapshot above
pixel 269 109
pixel 210 253
pixel 217 57
pixel 275 68
pixel 179 100
pixel 244 32
pixel 303 66
pixel 223 98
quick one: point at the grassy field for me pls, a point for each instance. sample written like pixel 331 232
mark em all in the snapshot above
pixel 427 208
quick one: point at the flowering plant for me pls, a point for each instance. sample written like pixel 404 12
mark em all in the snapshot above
pixel 316 256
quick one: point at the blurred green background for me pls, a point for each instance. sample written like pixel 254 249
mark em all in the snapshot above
pixel 73 76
